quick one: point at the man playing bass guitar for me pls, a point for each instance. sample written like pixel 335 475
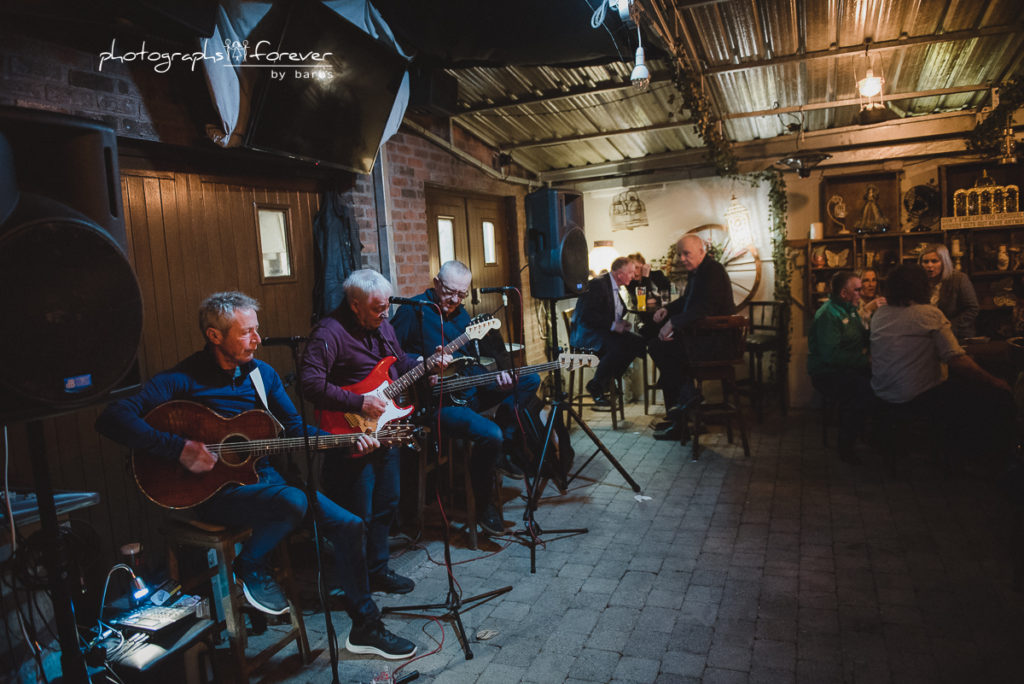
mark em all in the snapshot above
pixel 226 377
pixel 492 442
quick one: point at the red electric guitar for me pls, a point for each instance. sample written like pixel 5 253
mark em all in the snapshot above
pixel 239 442
pixel 377 384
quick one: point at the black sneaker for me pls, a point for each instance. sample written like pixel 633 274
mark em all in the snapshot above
pixel 390 582
pixel 508 468
pixel 374 639
pixel 260 589
pixel 490 522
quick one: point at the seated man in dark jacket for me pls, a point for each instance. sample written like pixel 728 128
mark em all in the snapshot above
pixel 597 323
pixel 708 293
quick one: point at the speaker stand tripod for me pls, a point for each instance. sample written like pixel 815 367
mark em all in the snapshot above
pixel 559 404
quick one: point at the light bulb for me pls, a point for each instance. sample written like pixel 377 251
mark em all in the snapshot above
pixel 870 85
pixel 641 76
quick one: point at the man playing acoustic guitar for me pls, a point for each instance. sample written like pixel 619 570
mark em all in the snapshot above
pixel 226 377
pixel 492 442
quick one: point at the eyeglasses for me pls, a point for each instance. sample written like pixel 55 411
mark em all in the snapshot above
pixel 450 292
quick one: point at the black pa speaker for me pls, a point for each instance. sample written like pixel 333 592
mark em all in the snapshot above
pixel 556 247
pixel 69 300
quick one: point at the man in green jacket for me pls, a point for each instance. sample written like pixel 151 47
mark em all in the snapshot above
pixel 838 359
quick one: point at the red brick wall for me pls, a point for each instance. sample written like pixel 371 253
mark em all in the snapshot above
pixel 411 163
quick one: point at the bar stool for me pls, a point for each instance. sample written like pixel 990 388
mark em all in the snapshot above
pixel 180 534
pixel 714 347
pixel 576 396
pixel 768 326
pixel 454 455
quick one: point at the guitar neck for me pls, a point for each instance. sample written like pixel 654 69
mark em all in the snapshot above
pixel 406 381
pixel 475 380
pixel 265 447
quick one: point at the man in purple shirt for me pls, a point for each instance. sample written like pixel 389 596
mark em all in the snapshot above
pixel 343 349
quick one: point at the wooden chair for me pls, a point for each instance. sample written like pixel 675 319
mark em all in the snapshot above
pixel 180 534
pixel 576 395
pixel 714 347
pixel 768 324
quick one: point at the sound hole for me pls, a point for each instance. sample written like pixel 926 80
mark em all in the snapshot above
pixel 236 454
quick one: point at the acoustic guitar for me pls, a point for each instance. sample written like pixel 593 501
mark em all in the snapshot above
pixel 459 384
pixel 378 384
pixel 239 442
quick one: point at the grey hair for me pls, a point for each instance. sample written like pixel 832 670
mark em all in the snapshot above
pixel 217 310
pixel 692 237
pixel 940 251
pixel 454 269
pixel 362 283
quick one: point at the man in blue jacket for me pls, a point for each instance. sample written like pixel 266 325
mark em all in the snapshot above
pixel 226 377
pixel 494 439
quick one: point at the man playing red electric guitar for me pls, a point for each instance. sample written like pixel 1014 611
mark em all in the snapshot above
pixel 345 349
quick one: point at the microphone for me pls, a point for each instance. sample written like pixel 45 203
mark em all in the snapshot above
pixel 476 296
pixel 292 341
pixel 496 290
pixel 412 302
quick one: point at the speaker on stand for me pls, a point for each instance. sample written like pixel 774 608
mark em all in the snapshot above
pixel 69 298
pixel 556 246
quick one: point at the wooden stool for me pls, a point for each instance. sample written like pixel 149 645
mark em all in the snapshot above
pixel 454 456
pixel 714 347
pixel 191 533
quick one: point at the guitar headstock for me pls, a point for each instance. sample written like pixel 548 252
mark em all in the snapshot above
pixel 573 361
pixel 481 325
pixel 396 433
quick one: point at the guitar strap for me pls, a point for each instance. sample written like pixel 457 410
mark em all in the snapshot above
pixel 257 383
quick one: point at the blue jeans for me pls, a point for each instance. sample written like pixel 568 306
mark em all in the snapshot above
pixel 488 437
pixel 273 509
pixel 369 487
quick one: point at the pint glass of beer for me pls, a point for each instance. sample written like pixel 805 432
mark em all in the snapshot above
pixel 641 298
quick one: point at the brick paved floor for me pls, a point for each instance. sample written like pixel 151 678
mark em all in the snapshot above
pixel 788 567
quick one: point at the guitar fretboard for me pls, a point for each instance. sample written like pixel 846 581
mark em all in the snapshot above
pixel 263 447
pixel 484 378
pixel 406 381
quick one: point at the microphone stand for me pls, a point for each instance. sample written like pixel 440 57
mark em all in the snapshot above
pixel 559 404
pixel 313 503
pixel 453 603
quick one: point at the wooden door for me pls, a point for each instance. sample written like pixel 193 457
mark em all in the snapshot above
pixel 474 230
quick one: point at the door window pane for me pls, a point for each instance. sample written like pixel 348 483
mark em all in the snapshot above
pixel 446 237
pixel 490 254
pixel 274 244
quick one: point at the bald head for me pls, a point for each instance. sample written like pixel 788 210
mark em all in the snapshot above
pixel 691 251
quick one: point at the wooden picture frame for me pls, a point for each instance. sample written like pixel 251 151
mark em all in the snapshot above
pixel 864 203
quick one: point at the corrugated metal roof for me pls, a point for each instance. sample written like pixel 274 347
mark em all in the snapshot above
pixel 758 55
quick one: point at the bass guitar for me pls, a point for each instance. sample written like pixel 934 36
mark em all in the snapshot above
pixel 459 384
pixel 238 442
pixel 378 384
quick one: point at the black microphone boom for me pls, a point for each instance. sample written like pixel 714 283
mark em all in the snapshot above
pixel 283 341
pixel 496 290
pixel 413 302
